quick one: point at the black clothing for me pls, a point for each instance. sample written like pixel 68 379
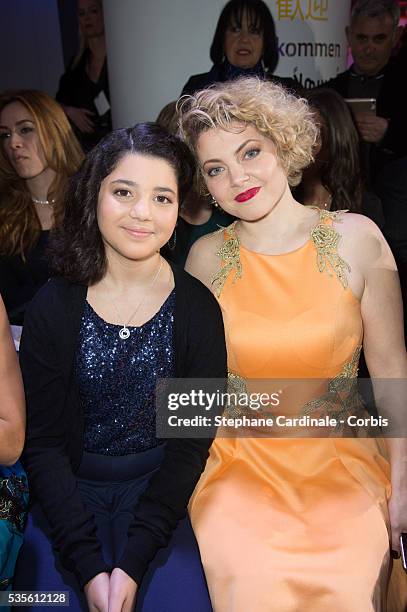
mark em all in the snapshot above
pixel 110 488
pixel 20 280
pixel 78 90
pixel 55 426
pixel 391 104
pixel 219 74
pixel 391 186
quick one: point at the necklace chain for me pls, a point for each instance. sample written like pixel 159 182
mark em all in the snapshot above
pixel 124 331
pixel 37 201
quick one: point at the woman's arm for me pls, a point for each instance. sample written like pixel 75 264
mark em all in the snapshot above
pixel 45 347
pixel 165 500
pixel 385 353
pixel 12 405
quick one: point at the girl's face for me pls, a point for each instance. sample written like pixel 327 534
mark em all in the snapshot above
pixel 242 170
pixel 138 207
pixel 20 141
pixel 90 15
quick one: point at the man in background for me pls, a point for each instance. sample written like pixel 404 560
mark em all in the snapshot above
pixel 372 34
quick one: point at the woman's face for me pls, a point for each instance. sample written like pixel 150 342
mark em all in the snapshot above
pixel 90 15
pixel 243 44
pixel 20 141
pixel 138 207
pixel 241 170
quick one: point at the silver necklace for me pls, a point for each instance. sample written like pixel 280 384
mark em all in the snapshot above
pixel 124 331
pixel 37 201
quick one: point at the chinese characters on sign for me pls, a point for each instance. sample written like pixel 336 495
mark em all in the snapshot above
pixel 303 9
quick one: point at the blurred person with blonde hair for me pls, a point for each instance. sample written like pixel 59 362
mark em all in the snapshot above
pixel 84 88
pixel 38 153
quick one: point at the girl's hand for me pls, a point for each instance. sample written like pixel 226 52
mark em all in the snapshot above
pixel 122 592
pixel 97 593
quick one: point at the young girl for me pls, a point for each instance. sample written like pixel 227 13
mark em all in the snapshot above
pixel 95 342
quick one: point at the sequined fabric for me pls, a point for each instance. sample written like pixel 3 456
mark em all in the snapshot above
pixel 117 380
pixel 13 500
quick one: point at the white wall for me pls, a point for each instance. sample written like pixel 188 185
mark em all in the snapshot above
pixel 153 48
pixel 155 45
pixel 30 45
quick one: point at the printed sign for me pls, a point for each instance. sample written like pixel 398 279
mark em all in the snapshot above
pixel 311 38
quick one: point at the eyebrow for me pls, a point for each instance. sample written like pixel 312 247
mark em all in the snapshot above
pixel 5 127
pixel 134 184
pixel 239 148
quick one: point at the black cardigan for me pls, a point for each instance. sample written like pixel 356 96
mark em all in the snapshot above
pixel 54 443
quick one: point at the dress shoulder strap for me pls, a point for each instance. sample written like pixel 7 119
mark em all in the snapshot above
pixel 326 239
pixel 229 254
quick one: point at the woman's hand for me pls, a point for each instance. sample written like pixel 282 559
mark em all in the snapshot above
pixel 398 500
pixel 97 593
pixel 398 522
pixel 81 117
pixel 122 592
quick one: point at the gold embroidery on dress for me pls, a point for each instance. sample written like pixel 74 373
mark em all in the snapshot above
pixel 236 385
pixel 342 397
pixel 326 240
pixel 229 253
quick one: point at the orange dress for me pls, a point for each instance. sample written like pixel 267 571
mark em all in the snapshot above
pixel 297 524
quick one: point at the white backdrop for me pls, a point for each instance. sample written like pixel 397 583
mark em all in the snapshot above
pixel 154 46
pixel 312 40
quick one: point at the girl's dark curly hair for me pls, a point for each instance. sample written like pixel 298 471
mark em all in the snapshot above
pixel 77 249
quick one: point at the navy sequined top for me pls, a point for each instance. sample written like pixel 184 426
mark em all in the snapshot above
pixel 117 380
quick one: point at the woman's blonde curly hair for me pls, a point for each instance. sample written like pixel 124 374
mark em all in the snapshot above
pixel 276 113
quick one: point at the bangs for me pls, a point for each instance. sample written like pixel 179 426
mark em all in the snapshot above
pixel 254 17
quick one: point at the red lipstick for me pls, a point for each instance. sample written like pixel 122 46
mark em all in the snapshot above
pixel 247 195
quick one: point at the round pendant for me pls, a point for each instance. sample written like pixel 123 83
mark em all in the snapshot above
pixel 124 333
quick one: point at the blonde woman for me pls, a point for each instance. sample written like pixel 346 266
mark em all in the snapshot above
pixel 38 153
pixel 84 88
pixel 295 523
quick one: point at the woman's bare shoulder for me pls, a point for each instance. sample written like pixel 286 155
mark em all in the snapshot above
pixel 203 259
pixel 363 241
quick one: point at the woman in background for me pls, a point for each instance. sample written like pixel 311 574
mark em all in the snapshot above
pixel 334 180
pixel 38 153
pixel 96 340
pixel 84 88
pixel 285 520
pixel 244 44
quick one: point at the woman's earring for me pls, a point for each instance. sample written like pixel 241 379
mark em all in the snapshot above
pixel 171 245
pixel 214 203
